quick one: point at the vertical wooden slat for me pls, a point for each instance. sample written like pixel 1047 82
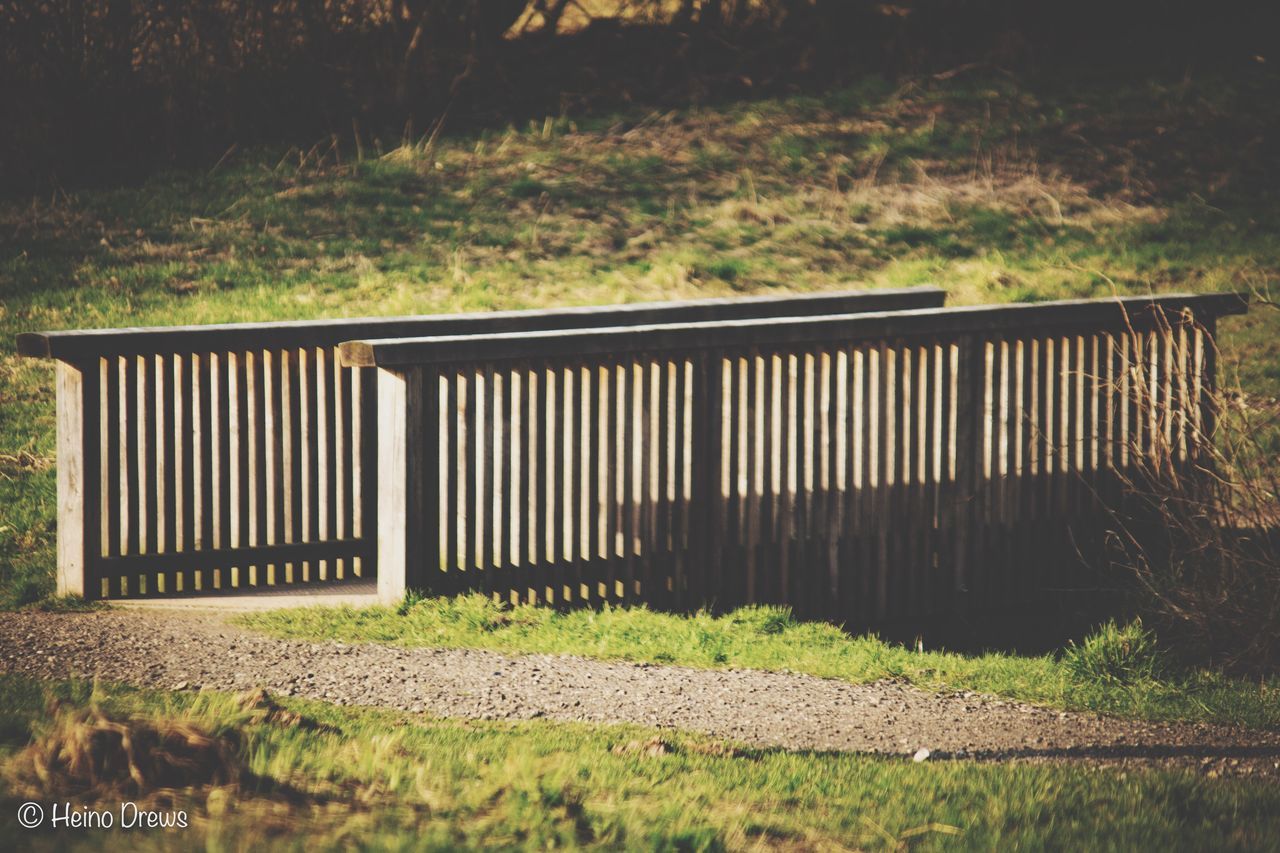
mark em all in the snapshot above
pixel 1111 410
pixel 853 592
pixel 808 423
pixel 543 523
pixel 868 499
pixel 167 478
pixel 584 479
pixel 620 463
pixel 256 370
pixel 473 460
pixel 1078 417
pixel 368 480
pixel 519 468
pixel 587 576
pixel 1023 484
pixel 1092 383
pixel 242 450
pixel 1124 368
pixel 534 452
pixel 949 471
pixel 922 514
pixel 939 469
pixel 1209 381
pixel 130 453
pixel 309 458
pixel 187 426
pixel 557 459
pixel 1008 467
pixel 572 494
pixel 679 516
pixel 449 476
pixel 662 431
pixel 147 432
pixel 642 494
pixel 1155 397
pixel 1180 390
pixel 528 441
pixel 427 488
pixel 487 420
pixel 1063 452
pixel 968 371
pixel 614 476
pixel 1048 456
pixel 881 523
pixel 506 463
pixel 902 510
pixel 787 484
pixel 273 372
pixel 630 396
pixel 735 399
pixel 833 443
pixel 113 485
pixel 995 491
pixel 339 401
pixel 772 469
pixel 105 368
pixel 325 359
pixel 292 460
pixel 718 396
pixel 747 474
pixel 205 488
pixel 591 382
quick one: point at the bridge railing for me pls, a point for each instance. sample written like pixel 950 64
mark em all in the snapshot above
pixel 863 467
pixel 200 459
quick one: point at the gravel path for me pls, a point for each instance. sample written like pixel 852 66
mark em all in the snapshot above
pixel 189 651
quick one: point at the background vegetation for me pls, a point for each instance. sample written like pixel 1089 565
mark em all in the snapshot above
pixel 97 91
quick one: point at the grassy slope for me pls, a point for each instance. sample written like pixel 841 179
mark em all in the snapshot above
pixel 399 781
pixel 767 638
pixel 999 189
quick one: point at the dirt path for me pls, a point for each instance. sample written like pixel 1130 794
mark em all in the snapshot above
pixel 190 651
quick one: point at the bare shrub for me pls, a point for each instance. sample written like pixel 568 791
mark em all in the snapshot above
pixel 1196 526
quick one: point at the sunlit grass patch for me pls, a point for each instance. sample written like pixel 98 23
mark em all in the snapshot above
pixel 380 779
pixel 769 638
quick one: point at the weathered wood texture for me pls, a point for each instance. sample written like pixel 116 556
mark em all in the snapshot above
pixel 92 343
pixel 214 471
pixel 201 459
pixel 958 460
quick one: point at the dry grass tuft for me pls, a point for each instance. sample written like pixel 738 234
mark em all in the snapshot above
pixel 88 753
pixel 261 708
pixel 654 747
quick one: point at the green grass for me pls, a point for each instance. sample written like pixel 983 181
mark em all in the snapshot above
pixel 999 188
pixel 382 780
pixel 768 638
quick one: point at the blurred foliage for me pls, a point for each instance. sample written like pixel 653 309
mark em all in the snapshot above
pixel 105 90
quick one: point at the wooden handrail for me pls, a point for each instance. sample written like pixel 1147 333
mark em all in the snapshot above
pixel 1098 315
pixel 77 345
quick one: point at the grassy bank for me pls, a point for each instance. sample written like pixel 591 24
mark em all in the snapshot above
pixel 377 780
pixel 996 187
pixel 1115 676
